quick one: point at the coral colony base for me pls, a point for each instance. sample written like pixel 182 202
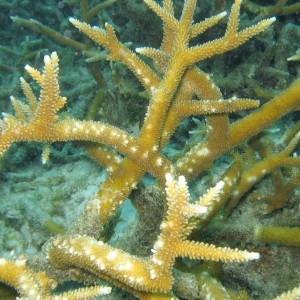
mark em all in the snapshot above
pixel 177 88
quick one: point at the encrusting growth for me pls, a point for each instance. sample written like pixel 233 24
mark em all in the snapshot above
pixel 177 89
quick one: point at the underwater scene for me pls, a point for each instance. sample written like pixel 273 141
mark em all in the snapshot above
pixel 150 149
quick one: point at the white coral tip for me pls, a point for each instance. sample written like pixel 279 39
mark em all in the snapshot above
pixel 223 14
pixel 54 55
pixel 201 209
pixel 168 177
pixel 220 185
pixel 181 180
pixel 105 290
pixel 47 59
pixel 254 255
pixel 139 50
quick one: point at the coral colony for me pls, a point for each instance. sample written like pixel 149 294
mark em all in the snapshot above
pixel 177 88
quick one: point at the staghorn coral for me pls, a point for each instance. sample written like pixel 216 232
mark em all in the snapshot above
pixel 280 8
pixel 295 57
pixel 37 285
pixel 177 88
pixel 293 294
pixel 278 235
pixel 87 11
pixel 143 276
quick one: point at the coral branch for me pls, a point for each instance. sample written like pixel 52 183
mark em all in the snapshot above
pixel 36 285
pixel 176 88
pixel 151 274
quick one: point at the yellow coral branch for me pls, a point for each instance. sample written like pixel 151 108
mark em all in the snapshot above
pixel 37 285
pixel 290 295
pixel 152 274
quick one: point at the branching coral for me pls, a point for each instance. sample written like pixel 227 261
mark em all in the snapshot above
pixel 87 13
pixel 295 57
pixel 154 274
pixel 280 8
pixel 177 88
pixel 37 285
